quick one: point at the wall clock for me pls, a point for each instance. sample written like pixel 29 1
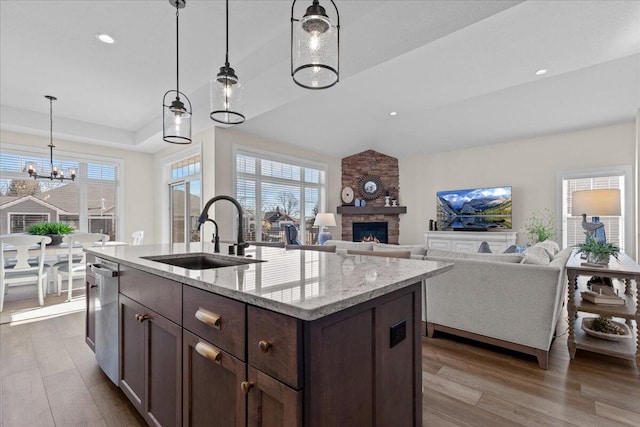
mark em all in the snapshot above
pixel 347 195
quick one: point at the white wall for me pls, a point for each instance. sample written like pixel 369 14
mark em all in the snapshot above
pixel 530 166
pixel 136 178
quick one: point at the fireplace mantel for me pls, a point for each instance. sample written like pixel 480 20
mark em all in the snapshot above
pixel 373 210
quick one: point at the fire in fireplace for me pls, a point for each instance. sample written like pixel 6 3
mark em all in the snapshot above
pixel 370 231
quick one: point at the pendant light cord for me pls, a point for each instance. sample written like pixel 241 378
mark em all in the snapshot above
pixel 177 51
pixel 51 133
pixel 226 55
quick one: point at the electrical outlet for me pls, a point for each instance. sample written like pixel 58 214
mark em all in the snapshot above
pixel 397 333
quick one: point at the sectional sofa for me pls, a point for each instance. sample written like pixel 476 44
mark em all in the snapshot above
pixel 510 300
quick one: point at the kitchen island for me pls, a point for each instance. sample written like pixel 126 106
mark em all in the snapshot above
pixel 276 338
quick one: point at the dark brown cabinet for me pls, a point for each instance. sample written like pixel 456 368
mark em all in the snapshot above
pixel 270 402
pixel 224 362
pixel 212 392
pixel 151 363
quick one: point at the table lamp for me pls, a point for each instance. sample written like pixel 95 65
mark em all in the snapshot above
pixel 324 220
pixel 597 203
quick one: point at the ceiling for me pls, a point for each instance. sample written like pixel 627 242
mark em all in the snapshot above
pixel 458 73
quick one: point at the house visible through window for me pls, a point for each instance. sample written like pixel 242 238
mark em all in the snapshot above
pixel 572 231
pixel 89 204
pixel 279 192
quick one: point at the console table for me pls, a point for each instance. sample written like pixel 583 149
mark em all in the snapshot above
pixel 625 269
pixel 469 241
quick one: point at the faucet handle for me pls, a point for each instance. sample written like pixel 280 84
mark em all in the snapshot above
pixel 232 249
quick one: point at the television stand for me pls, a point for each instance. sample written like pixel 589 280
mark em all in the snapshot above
pixel 498 241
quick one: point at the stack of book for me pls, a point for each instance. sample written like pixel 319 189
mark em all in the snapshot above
pixel 601 298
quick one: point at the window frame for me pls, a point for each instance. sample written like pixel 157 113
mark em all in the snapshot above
pixel 23 214
pixel 170 182
pixel 286 159
pixel 83 159
pixel 624 171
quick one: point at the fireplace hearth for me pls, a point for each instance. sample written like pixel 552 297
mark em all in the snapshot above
pixel 370 231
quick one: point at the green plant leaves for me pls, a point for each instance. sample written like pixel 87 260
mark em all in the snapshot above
pixel 44 228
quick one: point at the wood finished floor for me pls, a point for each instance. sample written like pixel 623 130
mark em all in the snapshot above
pixel 49 377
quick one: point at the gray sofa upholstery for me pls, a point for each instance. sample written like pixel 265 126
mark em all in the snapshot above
pixel 510 300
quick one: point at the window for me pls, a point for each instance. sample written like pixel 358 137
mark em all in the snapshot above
pixel 185 199
pixel 90 203
pixel 20 223
pixel 572 231
pixel 275 192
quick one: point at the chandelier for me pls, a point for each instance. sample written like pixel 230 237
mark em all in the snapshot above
pixel 55 173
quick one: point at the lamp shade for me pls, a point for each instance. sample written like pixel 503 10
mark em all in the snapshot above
pixel 325 220
pixel 596 203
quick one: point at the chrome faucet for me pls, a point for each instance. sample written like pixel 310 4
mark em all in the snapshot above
pixel 204 216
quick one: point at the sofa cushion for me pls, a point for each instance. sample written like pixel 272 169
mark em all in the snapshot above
pixel 536 255
pixel 439 253
pixel 342 246
pixel 550 246
pixel 417 251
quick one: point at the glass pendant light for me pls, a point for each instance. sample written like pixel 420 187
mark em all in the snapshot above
pixel 226 91
pixel 315 47
pixel 176 126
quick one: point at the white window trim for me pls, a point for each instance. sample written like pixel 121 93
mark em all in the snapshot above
pixel 24 213
pixel 620 170
pixel 282 158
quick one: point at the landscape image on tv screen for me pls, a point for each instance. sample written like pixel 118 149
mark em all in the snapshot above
pixel 474 209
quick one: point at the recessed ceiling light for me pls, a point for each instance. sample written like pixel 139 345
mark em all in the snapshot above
pixel 105 38
pixel 393 113
pixel 541 72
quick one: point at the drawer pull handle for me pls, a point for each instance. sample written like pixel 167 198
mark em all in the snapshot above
pixel 208 317
pixel 141 317
pixel 245 386
pixel 264 346
pixel 208 351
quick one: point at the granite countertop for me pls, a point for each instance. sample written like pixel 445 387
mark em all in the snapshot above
pixel 307 285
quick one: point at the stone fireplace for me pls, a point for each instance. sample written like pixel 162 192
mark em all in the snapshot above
pixel 371 163
pixel 370 231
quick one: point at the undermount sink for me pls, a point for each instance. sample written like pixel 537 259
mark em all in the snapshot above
pixel 200 261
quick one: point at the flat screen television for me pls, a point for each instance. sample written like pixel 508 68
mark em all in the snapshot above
pixel 476 209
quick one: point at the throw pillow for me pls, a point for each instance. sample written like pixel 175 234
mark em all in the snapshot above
pixel 536 255
pixel 484 248
pixel 511 250
pixel 550 246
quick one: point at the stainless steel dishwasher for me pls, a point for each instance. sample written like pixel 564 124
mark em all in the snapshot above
pixel 106 306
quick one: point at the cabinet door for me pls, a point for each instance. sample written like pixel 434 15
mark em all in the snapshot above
pixel 272 403
pixel 90 314
pixel 465 246
pixel 151 363
pixel 211 385
pixel 163 372
pixel 132 352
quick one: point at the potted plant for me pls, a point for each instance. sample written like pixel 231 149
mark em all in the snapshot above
pixel 55 230
pixel 541 226
pixel 598 252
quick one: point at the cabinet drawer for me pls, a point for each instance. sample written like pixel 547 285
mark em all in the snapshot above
pixel 217 319
pixel 162 295
pixel 275 345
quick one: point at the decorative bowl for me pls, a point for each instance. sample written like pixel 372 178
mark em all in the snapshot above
pixel 586 326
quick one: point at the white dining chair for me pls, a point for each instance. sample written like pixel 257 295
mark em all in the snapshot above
pixel 75 265
pixel 19 270
pixel 137 237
